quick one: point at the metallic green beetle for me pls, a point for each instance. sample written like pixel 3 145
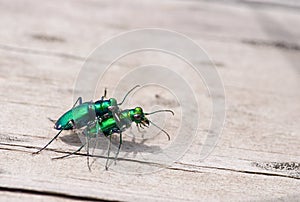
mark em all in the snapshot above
pixel 79 116
pixel 118 124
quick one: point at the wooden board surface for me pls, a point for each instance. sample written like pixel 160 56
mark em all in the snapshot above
pixel 43 46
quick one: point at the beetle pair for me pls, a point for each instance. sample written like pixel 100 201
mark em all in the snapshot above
pixel 102 117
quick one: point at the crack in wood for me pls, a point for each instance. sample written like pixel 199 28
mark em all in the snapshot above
pixel 30 104
pixel 244 171
pixel 157 164
pixel 40 52
pixel 276 44
pixel 51 193
pixel 77 154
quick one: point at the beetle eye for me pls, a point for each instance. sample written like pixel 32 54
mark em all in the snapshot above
pixel 111 108
pixel 137 116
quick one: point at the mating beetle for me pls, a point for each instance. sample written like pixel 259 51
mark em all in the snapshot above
pixel 79 116
pixel 101 117
pixel 117 124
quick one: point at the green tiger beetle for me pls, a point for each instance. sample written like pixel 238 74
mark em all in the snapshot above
pixel 79 116
pixel 117 124
pixel 102 116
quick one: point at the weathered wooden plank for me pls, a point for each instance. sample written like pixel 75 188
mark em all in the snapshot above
pixel 43 47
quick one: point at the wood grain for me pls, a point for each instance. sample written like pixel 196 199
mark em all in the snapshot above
pixel 44 45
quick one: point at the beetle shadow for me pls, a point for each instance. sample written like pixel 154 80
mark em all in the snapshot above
pixel 100 144
pixel 71 139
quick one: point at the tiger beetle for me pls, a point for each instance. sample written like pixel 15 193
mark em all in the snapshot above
pixel 79 116
pixel 102 116
pixel 117 124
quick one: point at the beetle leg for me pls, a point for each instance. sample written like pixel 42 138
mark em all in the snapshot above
pixel 78 150
pixel 106 165
pixel 120 144
pixel 105 92
pixel 78 100
pixel 88 152
pixel 88 135
pixel 48 143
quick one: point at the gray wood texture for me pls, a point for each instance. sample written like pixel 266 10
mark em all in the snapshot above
pixel 256 50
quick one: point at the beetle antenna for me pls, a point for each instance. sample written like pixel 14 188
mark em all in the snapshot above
pixel 128 94
pixel 161 130
pixel 162 110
